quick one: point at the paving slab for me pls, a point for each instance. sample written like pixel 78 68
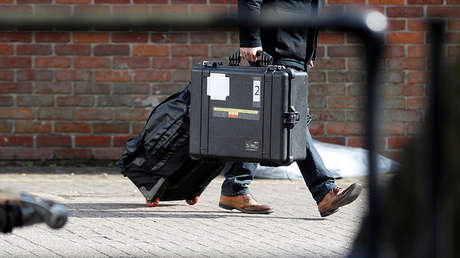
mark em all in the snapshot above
pixel 109 218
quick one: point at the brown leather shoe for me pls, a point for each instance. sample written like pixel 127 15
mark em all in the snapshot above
pixel 337 198
pixel 244 203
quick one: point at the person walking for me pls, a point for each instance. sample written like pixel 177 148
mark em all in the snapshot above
pixel 296 49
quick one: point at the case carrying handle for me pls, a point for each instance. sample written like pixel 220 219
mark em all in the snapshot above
pixel 265 59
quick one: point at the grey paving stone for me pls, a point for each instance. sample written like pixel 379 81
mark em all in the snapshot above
pixel 108 218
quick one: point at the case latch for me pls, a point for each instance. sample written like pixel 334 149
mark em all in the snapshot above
pixel 291 117
pixel 212 63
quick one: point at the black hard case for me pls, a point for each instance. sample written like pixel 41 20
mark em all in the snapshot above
pixel 269 131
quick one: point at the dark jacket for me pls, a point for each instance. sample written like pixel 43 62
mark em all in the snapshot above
pixel 285 45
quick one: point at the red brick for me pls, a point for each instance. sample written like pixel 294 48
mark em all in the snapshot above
pixel 150 1
pixel 138 37
pixel 223 50
pixel 316 76
pixel 6 75
pixel 78 101
pixel 209 37
pixel 52 10
pixel 15 36
pixel 316 128
pixel 16 113
pixel 406 63
pixel 150 50
pixel 55 113
pixel 404 11
pixel 71 50
pixel 166 89
pixel 7 154
pixel 346 1
pixel 138 127
pixel 417 25
pixel 6 101
pixel 112 76
pixel 52 61
pixel 396 25
pixel 345 76
pixel 52 37
pixel 453 1
pixel 92 62
pixel 344 128
pixel 107 153
pixel 53 88
pixel 389 2
pixel 34 154
pixel 120 140
pixel 443 11
pixel 139 10
pixel 15 87
pixel 453 37
pixel 170 63
pixel 394 103
pixel 33 1
pixel 328 115
pixel 54 140
pixel 394 51
pixel 424 1
pixel 34 75
pixel 414 128
pixel 393 128
pixel 397 142
pixel 92 140
pixel 15 10
pixel 416 77
pixel 32 127
pixel 190 50
pixel 32 101
pixel 92 10
pixel 180 10
pixel 224 2
pixel 73 154
pixel 453 51
pixel 345 102
pixel 208 10
pixel 406 37
pixel 344 51
pixel 15 62
pixel 111 50
pixel 6 50
pixel 33 49
pixel 453 25
pixel 330 64
pixel 73 75
pixel 417 103
pixel 73 1
pixel 356 141
pixel 181 76
pixel 6 126
pixel 72 127
pixel 131 62
pixel 6 1
pixel 132 114
pixel 91 37
pixel 169 37
pixel 365 8
pixel 16 140
pixel 91 88
pixel 355 64
pixel 417 51
pixel 413 90
pixel 111 127
pixel 403 115
pixel 116 101
pixel 94 114
pixel 138 89
pixel 112 1
pixel 151 76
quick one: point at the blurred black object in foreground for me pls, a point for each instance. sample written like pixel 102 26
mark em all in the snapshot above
pixel 415 220
pixel 20 209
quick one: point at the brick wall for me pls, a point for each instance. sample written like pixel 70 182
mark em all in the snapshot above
pixel 82 94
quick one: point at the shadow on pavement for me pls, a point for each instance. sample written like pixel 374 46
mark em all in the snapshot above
pixel 135 210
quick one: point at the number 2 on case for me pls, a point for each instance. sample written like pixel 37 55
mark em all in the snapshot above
pixel 256 91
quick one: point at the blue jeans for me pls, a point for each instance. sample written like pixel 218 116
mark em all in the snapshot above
pixel 239 175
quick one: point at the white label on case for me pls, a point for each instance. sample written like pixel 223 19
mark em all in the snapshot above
pixel 218 86
pixel 256 91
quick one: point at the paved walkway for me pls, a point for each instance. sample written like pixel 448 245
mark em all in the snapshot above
pixel 108 218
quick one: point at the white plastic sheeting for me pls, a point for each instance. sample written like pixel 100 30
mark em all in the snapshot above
pixel 342 161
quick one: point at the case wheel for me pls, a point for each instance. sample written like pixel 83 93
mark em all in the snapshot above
pixel 192 201
pixel 154 203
